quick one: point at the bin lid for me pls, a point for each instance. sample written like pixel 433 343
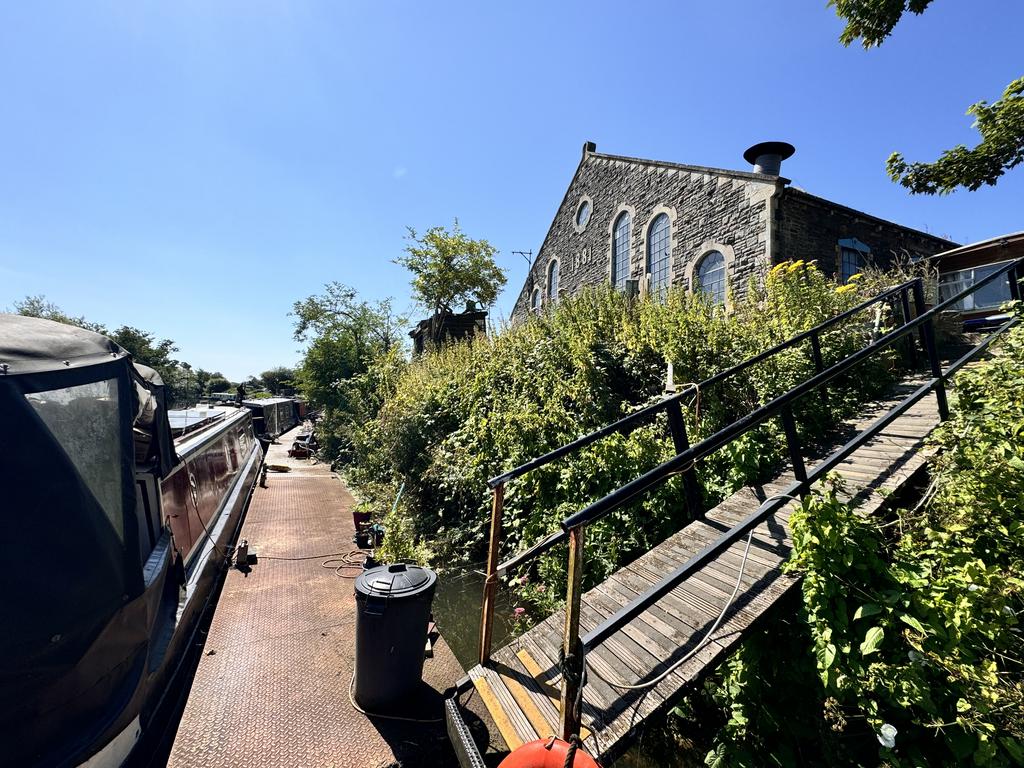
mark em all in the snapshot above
pixel 396 580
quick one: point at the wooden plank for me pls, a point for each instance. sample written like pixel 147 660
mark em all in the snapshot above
pixel 683 616
pixel 519 720
pixel 525 703
pixel 542 691
pixel 508 731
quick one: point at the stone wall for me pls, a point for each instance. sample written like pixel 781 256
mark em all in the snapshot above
pixel 709 209
pixel 810 228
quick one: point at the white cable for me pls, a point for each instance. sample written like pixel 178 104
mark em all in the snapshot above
pixel 360 710
pixel 707 636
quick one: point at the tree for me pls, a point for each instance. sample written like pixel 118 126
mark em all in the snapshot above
pixel 345 335
pixel 276 380
pixel 145 349
pixel 38 306
pixel 218 383
pixel 449 268
pixel 1001 124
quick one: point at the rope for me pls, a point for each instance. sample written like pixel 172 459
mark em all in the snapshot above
pixel 707 636
pixel 570 753
pixel 353 559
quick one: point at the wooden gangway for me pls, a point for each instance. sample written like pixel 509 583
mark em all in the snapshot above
pixel 520 683
pixel 626 649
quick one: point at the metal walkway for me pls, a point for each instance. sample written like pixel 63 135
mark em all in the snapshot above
pixel 271 688
pixel 520 683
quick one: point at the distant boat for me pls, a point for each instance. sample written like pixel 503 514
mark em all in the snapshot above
pixel 115 533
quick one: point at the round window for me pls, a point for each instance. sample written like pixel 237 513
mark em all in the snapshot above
pixel 583 214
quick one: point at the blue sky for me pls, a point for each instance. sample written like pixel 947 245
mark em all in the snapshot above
pixel 193 167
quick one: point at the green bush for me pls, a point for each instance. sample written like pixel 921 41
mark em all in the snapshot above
pixel 457 416
pixel 914 622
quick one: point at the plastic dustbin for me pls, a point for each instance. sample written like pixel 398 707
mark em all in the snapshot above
pixel 392 614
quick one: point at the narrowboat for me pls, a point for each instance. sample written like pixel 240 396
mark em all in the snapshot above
pixel 116 534
pixel 272 416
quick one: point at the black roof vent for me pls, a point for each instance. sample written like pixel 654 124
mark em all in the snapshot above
pixel 767 156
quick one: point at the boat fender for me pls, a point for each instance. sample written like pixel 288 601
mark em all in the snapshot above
pixel 549 753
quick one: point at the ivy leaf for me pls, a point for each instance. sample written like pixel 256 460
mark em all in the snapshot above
pixel 868 609
pixel 910 621
pixel 872 639
pixel 827 656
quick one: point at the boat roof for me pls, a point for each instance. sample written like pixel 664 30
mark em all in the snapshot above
pixel 190 419
pixel 268 401
pixel 35 345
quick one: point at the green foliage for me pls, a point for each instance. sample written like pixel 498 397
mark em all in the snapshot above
pixel 217 383
pixel 38 306
pixel 461 414
pixel 352 346
pixel 183 384
pixel 278 379
pixel 871 21
pixel 1001 125
pixel 448 268
pixel 914 623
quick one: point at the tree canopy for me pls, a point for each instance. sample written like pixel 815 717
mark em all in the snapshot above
pixel 1001 123
pixel 345 334
pixel 184 383
pixel 276 380
pixel 449 268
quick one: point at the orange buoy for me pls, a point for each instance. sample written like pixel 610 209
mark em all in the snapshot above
pixel 547 753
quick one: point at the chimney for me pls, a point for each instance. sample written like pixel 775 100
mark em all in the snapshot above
pixel 767 156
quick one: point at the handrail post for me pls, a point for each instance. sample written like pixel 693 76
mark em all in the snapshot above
pixel 928 338
pixel 491 582
pixel 691 488
pixel 570 711
pixel 905 306
pixel 819 364
pixel 793 442
pixel 1014 277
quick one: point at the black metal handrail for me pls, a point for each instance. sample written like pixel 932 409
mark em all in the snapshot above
pixel 573 527
pixel 640 415
pixel 628 422
pixel 755 418
pixel 677 427
pixel 575 645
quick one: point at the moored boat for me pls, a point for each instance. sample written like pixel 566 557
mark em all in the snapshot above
pixel 116 533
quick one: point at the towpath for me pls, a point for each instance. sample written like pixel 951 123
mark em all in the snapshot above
pixel 272 686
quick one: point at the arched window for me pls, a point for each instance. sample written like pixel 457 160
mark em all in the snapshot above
pixel 535 300
pixel 659 252
pixel 710 276
pixel 553 280
pixel 620 251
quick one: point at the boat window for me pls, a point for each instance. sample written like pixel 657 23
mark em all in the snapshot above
pixel 84 420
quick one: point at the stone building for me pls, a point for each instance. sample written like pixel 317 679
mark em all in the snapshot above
pixel 645 224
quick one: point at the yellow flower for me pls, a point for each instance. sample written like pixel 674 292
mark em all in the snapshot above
pixel 846 288
pixel 778 268
pixel 858 276
pixel 795 266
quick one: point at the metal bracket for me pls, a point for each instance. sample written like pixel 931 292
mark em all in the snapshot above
pixel 460 737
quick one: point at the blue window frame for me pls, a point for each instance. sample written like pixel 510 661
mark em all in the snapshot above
pixel 620 250
pixel 659 253
pixel 710 276
pixel 852 256
pixel 553 281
